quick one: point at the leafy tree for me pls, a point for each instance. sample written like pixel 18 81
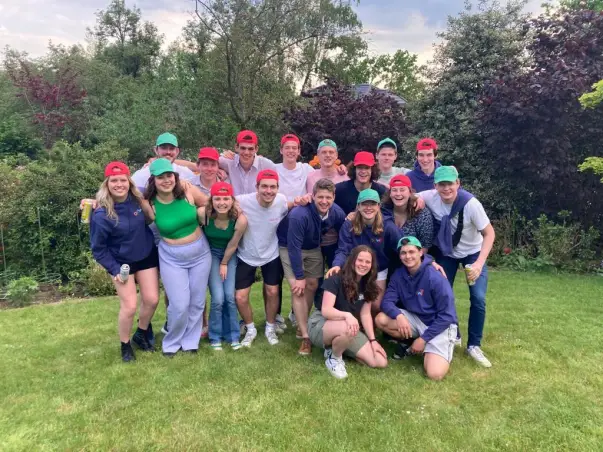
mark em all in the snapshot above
pixel 593 100
pixel 593 5
pixel 355 123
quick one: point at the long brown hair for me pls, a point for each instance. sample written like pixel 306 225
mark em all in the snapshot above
pixel 358 223
pixel 411 212
pixel 351 287
pixel 375 172
pixel 151 190
pixel 233 213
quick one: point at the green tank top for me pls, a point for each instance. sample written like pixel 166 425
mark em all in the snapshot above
pixel 175 220
pixel 219 238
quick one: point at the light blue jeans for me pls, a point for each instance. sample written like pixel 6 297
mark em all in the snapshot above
pixel 223 317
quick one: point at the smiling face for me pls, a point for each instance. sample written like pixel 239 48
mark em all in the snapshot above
pixel 363 174
pixel 448 191
pixel 118 187
pixel 267 190
pixel 222 204
pixel 323 200
pixel 246 153
pixel 386 158
pixel 165 183
pixel 410 256
pixel 208 168
pixel 363 263
pixel 426 160
pixel 290 152
pixel 167 151
pixel 400 196
pixel 327 156
pixel 368 210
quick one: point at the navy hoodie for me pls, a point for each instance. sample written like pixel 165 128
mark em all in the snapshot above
pixel 380 244
pixel 420 180
pixel 427 294
pixel 128 241
pixel 302 229
pixel 346 194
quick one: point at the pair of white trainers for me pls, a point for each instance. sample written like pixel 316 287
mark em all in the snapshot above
pixel 251 334
pixel 474 352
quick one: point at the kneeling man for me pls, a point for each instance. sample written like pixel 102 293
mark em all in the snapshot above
pixel 419 304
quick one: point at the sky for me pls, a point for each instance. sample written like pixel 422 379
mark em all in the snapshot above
pixel 28 25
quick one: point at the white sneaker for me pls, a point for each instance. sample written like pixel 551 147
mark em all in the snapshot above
pixel 271 336
pixel 476 353
pixel 278 327
pixel 250 335
pixel 336 367
pixel 280 323
pixel 458 342
pixel 292 319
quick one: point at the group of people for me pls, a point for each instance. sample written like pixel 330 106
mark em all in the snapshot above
pixel 369 246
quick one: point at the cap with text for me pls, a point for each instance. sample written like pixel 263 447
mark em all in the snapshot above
pixel 387 142
pixel 116 169
pixel 400 180
pixel 409 240
pixel 427 144
pixel 290 137
pixel 221 189
pixel 368 195
pixel 161 166
pixel 209 154
pixel 247 137
pixel 167 138
pixel 364 158
pixel 445 174
pixel 267 174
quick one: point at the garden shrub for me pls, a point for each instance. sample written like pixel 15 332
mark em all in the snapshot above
pixel 21 292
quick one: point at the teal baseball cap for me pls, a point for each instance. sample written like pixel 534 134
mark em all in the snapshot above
pixel 368 195
pixel 167 138
pixel 160 166
pixel 445 174
pixel 385 141
pixel 409 240
pixel 327 142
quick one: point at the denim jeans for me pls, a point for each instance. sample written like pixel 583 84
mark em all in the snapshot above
pixel 477 294
pixel 223 316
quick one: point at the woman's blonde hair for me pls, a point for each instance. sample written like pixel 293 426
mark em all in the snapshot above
pixel 358 223
pixel 104 198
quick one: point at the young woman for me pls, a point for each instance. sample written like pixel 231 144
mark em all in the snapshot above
pixel 367 228
pixel 119 235
pixel 223 227
pixel 342 322
pixel 183 253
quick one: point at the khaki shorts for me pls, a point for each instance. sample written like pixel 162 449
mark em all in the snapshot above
pixel 442 344
pixel 316 322
pixel 312 262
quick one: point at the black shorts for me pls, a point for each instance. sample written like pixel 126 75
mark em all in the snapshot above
pixel 271 273
pixel 151 261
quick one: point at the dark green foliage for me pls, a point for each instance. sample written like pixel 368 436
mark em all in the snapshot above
pixel 21 292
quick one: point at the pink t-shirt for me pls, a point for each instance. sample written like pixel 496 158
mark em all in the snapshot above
pixel 314 176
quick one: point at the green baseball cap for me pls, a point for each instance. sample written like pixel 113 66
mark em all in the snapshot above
pixel 167 138
pixel 368 195
pixel 409 240
pixel 327 142
pixel 445 174
pixel 387 141
pixel 160 166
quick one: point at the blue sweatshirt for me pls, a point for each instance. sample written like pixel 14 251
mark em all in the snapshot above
pixel 380 244
pixel 128 241
pixel 420 180
pixel 302 230
pixel 346 194
pixel 427 294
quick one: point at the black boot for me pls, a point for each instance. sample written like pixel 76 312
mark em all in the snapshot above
pixel 127 354
pixel 140 339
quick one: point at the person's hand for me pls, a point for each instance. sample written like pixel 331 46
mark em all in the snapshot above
pixel 342 170
pixel 332 271
pixel 403 326
pixel 417 346
pixel 222 175
pixel 439 268
pixel 228 154
pixel 223 271
pixel 87 200
pixel 352 324
pixel 185 184
pixel 419 204
pixel 351 216
pixel 118 279
pixel 476 270
pixel 378 349
pixel 298 287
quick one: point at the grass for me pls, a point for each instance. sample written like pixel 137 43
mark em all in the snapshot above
pixel 64 387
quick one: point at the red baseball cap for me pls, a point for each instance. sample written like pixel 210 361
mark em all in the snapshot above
pixel 221 189
pixel 116 169
pixel 364 158
pixel 209 153
pixel 426 144
pixel 400 180
pixel 267 174
pixel 247 136
pixel 289 137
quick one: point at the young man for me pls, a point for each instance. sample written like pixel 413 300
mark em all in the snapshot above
pixel 387 153
pixel 259 248
pixel 299 236
pixel 422 174
pixel 293 175
pixel 246 164
pixel 363 173
pixel 207 167
pixel 419 304
pixel 327 156
pixel 464 236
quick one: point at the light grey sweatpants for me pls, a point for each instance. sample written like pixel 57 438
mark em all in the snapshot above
pixel 184 271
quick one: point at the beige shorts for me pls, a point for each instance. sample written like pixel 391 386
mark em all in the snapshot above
pixel 316 322
pixel 312 261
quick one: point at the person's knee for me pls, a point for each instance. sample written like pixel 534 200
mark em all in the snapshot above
pixel 312 285
pixel 128 307
pixel 435 374
pixel 151 300
pixel 382 320
pixel 271 291
pixel 241 299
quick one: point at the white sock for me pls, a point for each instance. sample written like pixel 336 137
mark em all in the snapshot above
pixel 269 326
pixel 250 326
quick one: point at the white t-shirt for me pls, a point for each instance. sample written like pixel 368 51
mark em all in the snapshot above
pixel 385 178
pixel 244 182
pixel 292 183
pixel 141 177
pixel 259 244
pixel 475 220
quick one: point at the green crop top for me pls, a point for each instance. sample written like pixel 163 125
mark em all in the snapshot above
pixel 175 220
pixel 219 238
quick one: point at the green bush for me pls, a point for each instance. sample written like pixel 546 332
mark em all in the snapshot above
pixel 21 292
pixel 92 280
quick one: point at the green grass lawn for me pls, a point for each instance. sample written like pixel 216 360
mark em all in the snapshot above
pixel 64 386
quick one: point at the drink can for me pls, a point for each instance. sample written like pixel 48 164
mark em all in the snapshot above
pixel 86 212
pixel 467 271
pixel 124 272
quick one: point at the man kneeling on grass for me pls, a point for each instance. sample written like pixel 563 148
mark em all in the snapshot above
pixel 419 304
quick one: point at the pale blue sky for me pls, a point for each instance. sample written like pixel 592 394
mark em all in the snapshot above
pixel 390 24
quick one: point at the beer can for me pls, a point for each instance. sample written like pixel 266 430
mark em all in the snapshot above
pixel 467 271
pixel 86 212
pixel 124 272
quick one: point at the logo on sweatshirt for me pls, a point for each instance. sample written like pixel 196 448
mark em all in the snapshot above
pixel 420 292
pixel 136 212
